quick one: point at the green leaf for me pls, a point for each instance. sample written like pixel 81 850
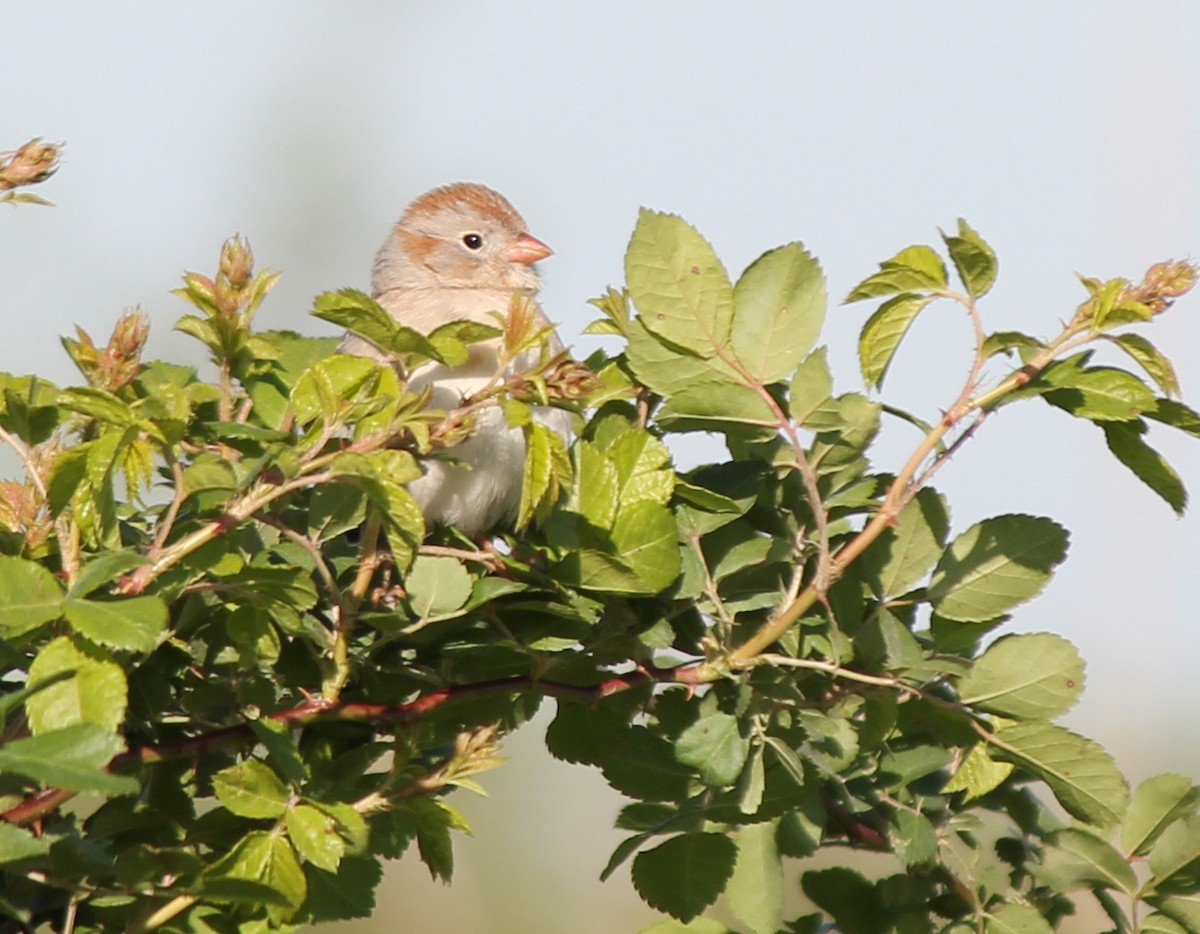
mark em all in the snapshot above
pixel 1010 918
pixel 1150 359
pixel 1030 676
pixel 17 843
pixel 1004 341
pixel 73 758
pixel 978 774
pixel 1076 859
pixel 539 472
pixel 1100 394
pixel 262 867
pixel 437 586
pixel 1176 854
pixel 133 623
pixel 884 330
pixel 1177 415
pixel 97 694
pixel 904 554
pixel 685 874
pixel 1081 774
pixel 914 268
pixel 105 568
pixel 97 404
pixel 853 902
pixel 29 596
pixel 811 386
pixel 1157 923
pixel 913 837
pixel 1124 439
pixel 715 746
pixel 350 893
pixel 315 836
pixel 358 312
pixel 995 565
pixel 1156 803
pixel 251 789
pixel 973 258
pixel 779 309
pixel 681 290
pixel 755 890
pixel 435 820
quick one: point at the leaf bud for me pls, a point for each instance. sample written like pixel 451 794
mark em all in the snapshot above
pixel 237 262
pixel 32 163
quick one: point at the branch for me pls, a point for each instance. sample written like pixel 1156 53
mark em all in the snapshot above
pixel 47 800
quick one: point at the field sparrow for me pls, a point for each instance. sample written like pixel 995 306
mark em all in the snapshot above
pixel 461 252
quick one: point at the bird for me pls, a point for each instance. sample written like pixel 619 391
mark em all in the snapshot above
pixel 461 252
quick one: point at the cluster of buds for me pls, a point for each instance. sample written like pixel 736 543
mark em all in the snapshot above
pixel 114 366
pixel 562 379
pixel 1163 283
pixel 21 504
pixel 235 292
pixel 34 162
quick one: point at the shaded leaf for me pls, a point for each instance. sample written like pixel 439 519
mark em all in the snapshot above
pixel 996 565
pixel 1081 774
pixel 881 335
pixel 1156 803
pixel 685 874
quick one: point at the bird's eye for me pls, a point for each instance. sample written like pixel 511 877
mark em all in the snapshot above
pixel 472 241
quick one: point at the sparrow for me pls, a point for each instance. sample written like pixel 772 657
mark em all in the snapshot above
pixel 462 252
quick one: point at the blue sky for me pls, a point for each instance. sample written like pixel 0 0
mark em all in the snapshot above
pixel 1067 133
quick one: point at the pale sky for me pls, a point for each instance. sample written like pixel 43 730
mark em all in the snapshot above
pixel 1067 133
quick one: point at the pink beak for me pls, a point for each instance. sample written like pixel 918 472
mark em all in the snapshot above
pixel 525 249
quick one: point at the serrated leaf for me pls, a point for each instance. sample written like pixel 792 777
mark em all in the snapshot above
pixel 1176 854
pixel 1075 859
pixel 1177 415
pixel 978 774
pixel 1010 918
pixel 1158 923
pixel 1150 359
pixel 881 335
pixel 1124 439
pixel 1156 803
pixel 251 789
pixel 811 386
pixel 74 758
pixel 105 568
pixel 350 893
pixel 437 586
pixel 17 843
pixel 715 747
pixel 913 837
pixel 1082 776
pixel 854 903
pixel 755 890
pixel 1100 394
pixel 995 565
pixel 29 596
pixel 315 836
pixel 685 874
pixel 905 553
pixel 779 310
pixel 973 258
pixel 133 623
pixel 681 290
pixel 539 473
pixel 1028 676
pixel 262 867
pixel 358 312
pixel 97 693
pixel 1004 341
pixel 912 269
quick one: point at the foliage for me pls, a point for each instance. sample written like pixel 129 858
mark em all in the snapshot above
pixel 240 672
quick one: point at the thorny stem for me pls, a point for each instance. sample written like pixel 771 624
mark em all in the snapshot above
pixel 903 487
pixel 27 459
pixel 348 608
